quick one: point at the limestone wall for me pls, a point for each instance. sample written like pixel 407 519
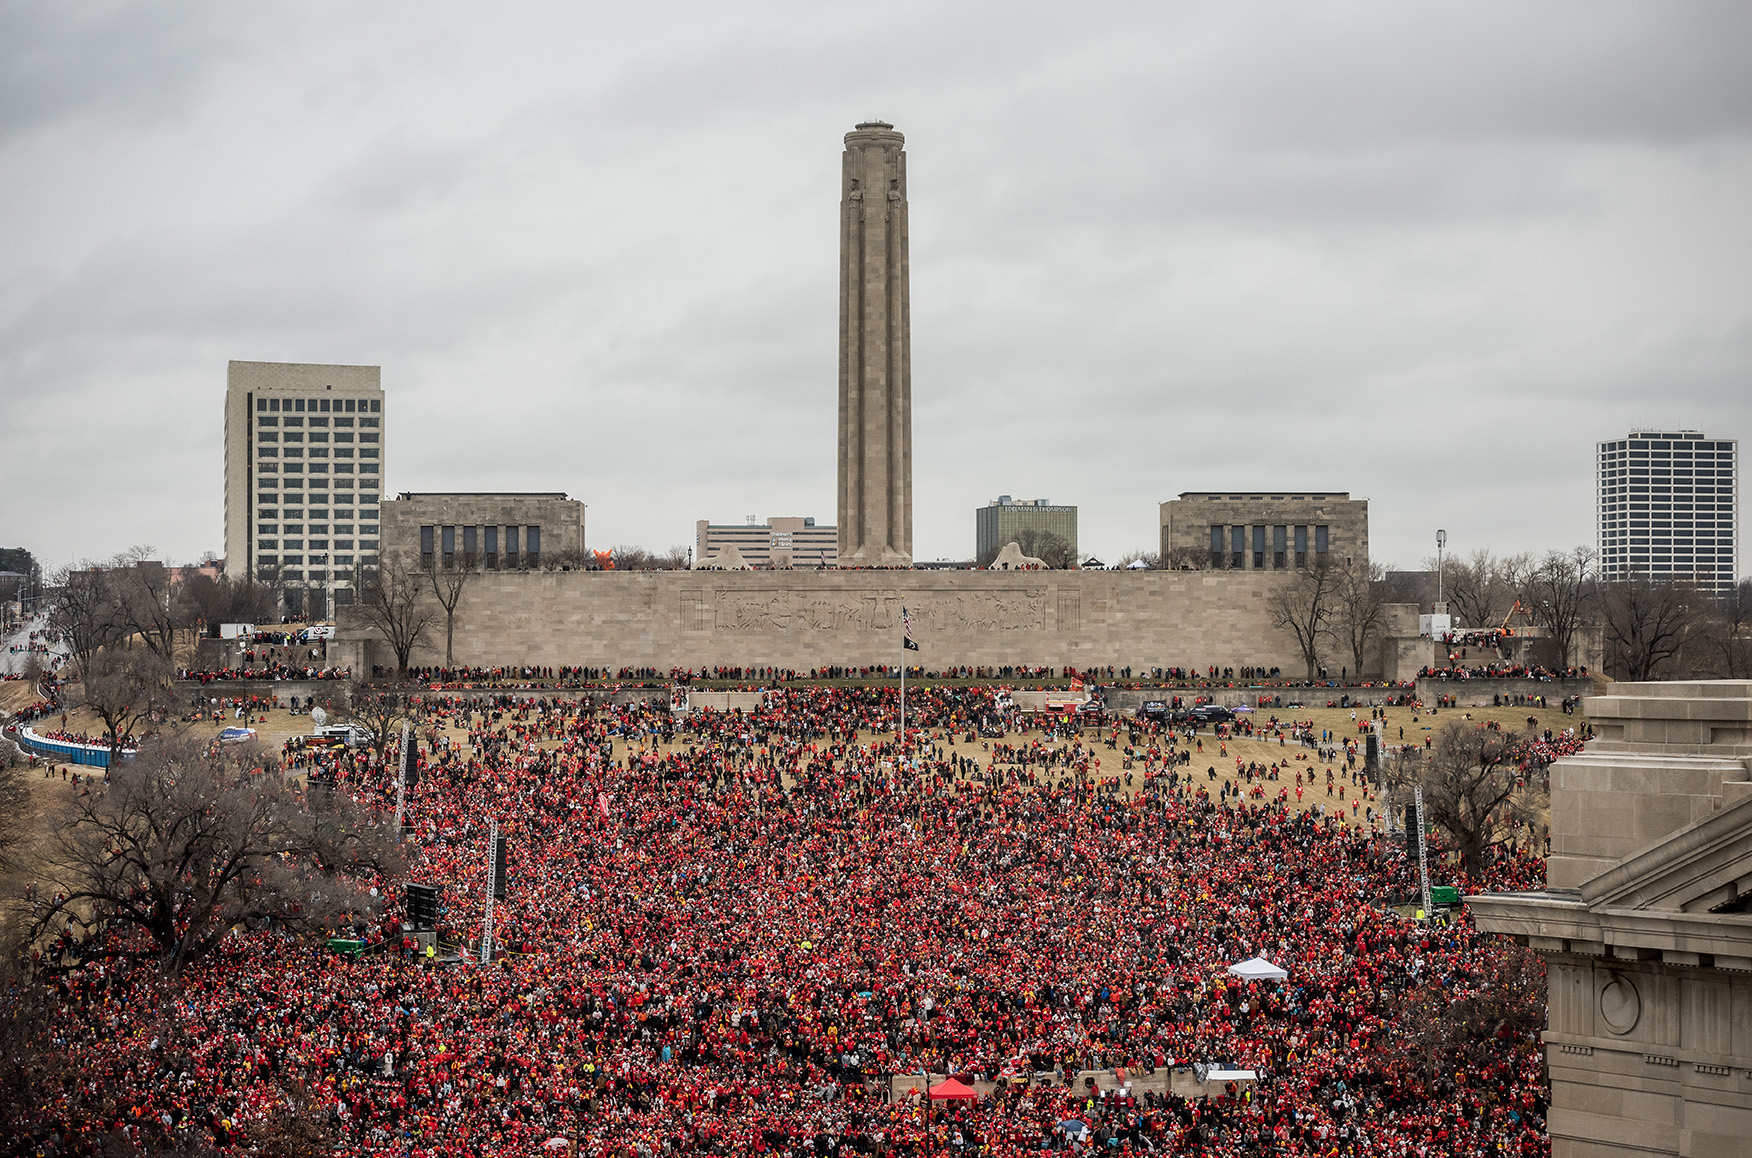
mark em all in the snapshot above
pixel 809 619
pixel 1479 693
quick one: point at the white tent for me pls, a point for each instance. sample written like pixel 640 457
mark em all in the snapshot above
pixel 1257 969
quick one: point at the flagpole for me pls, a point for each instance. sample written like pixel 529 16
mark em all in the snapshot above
pixel 903 692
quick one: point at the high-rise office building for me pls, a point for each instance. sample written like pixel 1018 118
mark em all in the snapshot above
pixel 303 478
pixel 1005 520
pixel 1668 507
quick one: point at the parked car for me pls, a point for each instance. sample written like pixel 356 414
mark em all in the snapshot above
pixel 1213 714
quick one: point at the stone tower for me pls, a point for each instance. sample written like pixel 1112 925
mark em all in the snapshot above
pixel 875 365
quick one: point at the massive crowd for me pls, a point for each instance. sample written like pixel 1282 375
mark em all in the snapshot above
pixel 1499 671
pixel 724 933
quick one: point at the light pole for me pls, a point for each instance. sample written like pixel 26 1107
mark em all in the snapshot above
pixel 327 588
pixel 1441 541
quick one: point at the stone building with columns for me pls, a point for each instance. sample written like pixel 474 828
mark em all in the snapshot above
pixel 1262 531
pixel 1645 925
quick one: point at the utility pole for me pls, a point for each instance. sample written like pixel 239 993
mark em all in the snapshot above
pixel 901 732
pixel 403 767
pixel 1441 542
pixel 493 887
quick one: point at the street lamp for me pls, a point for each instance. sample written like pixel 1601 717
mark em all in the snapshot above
pixel 1441 541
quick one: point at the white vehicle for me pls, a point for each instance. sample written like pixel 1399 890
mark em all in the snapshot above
pixel 236 630
pixel 317 631
pixel 352 735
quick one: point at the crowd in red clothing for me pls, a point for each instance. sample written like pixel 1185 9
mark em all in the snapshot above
pixel 1500 671
pixel 267 671
pixel 726 932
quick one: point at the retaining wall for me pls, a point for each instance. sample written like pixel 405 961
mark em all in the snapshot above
pixel 810 619
pixel 1478 693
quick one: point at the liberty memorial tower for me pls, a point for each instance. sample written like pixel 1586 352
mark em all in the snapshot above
pixel 875 353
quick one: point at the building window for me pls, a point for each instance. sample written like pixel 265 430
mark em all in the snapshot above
pixel 426 546
pixel 1237 548
pixel 1301 546
pixel 448 538
pixel 1279 547
pixel 491 534
pixel 532 547
pixel 1259 548
pixel 376 405
pixel 510 548
pixel 1320 544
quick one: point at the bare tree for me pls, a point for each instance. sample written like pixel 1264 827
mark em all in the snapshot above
pixel 1473 787
pixel 192 838
pixel 1359 608
pixel 125 686
pixel 205 601
pixel 392 603
pixel 569 559
pixel 1435 1034
pixel 631 558
pixel 382 708
pixel 1303 607
pixel 82 612
pixel 1648 623
pixel 1479 590
pixel 448 584
pixel 1726 645
pixel 144 603
pixel 1558 592
pixel 1184 558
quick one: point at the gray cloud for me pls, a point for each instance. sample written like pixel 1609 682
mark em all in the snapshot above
pixel 1426 255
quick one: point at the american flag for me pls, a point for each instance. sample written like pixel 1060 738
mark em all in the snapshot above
pixel 906 629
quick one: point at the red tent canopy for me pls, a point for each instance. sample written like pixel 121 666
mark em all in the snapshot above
pixel 951 1090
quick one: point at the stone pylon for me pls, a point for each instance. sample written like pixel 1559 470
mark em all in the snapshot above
pixel 875 367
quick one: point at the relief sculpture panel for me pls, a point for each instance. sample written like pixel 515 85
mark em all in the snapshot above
pixel 802 610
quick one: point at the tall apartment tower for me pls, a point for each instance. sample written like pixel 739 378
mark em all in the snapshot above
pixel 875 348
pixel 1668 507
pixel 303 478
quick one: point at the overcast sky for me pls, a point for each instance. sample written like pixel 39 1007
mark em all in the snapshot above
pixel 1427 254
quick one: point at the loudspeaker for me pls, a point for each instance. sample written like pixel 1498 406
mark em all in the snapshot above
pixel 422 906
pixel 499 870
pixel 410 764
pixel 1413 826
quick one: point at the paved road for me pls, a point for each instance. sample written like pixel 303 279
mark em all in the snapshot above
pixel 10 661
